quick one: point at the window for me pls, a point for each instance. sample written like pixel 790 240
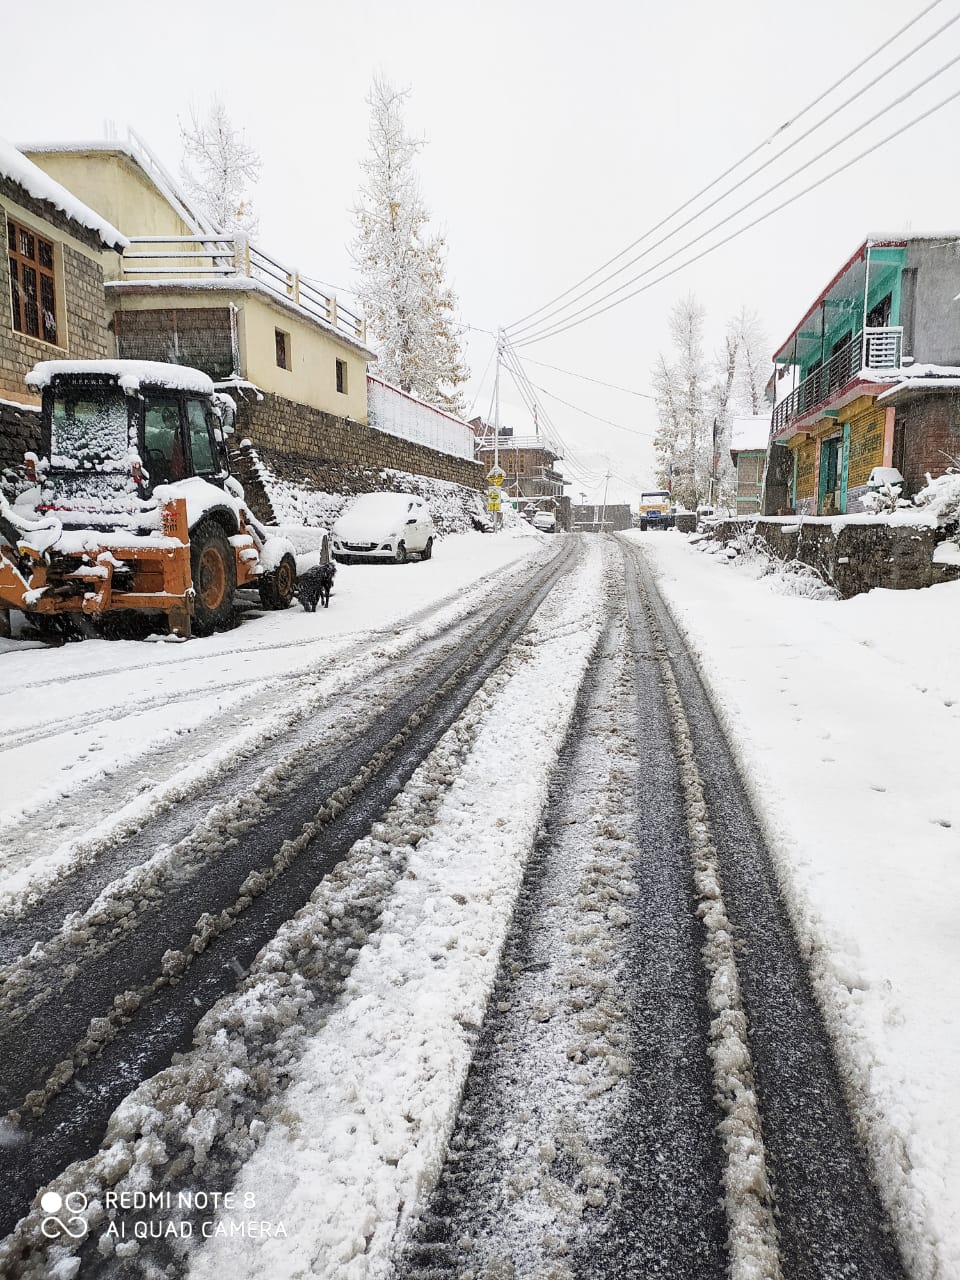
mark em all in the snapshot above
pixel 163 441
pixel 283 349
pixel 342 376
pixel 201 449
pixel 33 293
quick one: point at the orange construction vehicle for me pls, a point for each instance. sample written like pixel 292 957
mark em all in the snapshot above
pixel 131 505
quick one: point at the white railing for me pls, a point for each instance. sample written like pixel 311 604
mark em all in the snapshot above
pixel 198 258
pixel 399 414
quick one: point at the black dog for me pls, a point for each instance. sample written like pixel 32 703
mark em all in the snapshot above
pixel 315 585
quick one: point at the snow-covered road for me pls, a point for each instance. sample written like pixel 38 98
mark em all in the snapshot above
pixel 324 1082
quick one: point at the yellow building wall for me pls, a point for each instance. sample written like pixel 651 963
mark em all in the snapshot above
pixel 111 184
pixel 806 469
pixel 867 426
pixel 312 379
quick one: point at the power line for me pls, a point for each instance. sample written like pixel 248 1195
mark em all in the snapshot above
pixel 645 395
pixel 586 412
pixel 743 159
pixel 518 329
pixel 580 471
pixel 572 321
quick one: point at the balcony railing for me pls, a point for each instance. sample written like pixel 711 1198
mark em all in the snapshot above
pixel 877 349
pixel 205 258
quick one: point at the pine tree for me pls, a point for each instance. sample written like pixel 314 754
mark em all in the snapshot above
pixel 217 167
pixel 410 307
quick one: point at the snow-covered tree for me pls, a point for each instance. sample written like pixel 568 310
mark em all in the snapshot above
pixel 681 389
pixel 410 307
pixel 217 168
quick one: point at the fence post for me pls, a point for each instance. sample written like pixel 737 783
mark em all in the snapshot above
pixel 333 311
pixel 296 287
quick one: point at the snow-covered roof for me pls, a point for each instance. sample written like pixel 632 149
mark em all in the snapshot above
pixel 749 433
pixel 130 374
pixel 41 186
pixel 916 376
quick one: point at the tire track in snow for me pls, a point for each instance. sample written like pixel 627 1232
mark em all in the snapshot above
pixel 58 835
pixel 59 1123
pixel 828 1216
pixel 585 1141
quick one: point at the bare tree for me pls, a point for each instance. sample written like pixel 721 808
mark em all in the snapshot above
pixel 217 169
pixel 410 307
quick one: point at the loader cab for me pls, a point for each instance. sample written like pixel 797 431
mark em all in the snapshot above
pixel 98 437
pixel 180 439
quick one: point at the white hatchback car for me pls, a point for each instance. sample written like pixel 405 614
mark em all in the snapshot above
pixel 384 526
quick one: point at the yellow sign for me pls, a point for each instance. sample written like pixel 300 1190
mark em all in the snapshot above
pixel 493 501
pixel 496 476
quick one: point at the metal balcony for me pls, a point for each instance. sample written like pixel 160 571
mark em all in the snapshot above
pixel 877 349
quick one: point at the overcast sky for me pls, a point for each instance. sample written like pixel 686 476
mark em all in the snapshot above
pixel 557 133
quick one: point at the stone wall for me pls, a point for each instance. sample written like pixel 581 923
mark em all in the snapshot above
pixel 334 453
pixel 19 434
pixel 927 436
pixel 858 557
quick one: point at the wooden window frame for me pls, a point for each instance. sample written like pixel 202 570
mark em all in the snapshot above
pixel 282 343
pixel 18 259
pixel 341 376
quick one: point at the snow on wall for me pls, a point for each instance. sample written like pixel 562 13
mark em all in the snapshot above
pixel 399 414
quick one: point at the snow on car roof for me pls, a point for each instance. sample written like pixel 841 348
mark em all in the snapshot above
pixel 130 374
pixel 41 186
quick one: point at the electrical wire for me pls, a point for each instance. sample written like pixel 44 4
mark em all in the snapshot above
pixel 586 412
pixel 645 395
pixel 572 321
pixel 518 329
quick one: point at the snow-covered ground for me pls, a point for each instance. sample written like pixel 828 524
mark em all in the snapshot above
pixel 846 715
pixel 79 721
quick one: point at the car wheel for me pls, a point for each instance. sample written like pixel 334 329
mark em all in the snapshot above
pixel 401 552
pixel 643 526
pixel 214 573
pixel 427 551
pixel 276 588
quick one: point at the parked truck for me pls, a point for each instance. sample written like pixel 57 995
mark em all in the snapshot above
pixel 655 510
pixel 130 505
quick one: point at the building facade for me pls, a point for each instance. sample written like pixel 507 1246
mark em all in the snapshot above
pixel 870 376
pixel 748 449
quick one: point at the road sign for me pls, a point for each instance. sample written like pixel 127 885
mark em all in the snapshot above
pixel 493 499
pixel 496 476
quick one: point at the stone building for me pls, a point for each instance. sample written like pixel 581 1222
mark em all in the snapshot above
pixel 528 461
pixel 870 377
pixel 52 303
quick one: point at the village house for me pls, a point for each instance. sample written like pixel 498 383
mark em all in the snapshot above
pixel 293 356
pixel 748 449
pixel 528 463
pixel 52 303
pixel 869 377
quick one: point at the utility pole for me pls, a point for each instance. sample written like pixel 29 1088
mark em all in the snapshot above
pixel 603 513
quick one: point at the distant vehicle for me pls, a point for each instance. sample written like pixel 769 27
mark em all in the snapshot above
pixel 655 510
pixel 545 521
pixel 384 526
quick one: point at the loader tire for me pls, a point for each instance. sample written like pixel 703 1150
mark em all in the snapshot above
pixel 214 573
pixel 276 587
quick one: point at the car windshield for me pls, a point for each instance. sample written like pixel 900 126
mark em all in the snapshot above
pixel 660 496
pixel 89 430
